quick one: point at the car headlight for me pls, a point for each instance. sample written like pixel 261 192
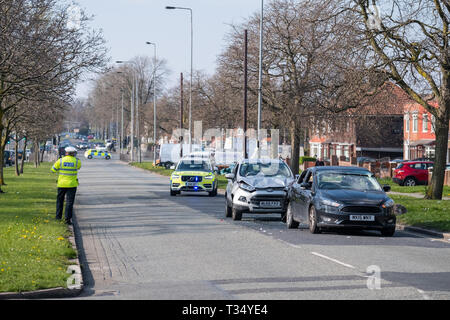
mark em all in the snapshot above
pixel 330 206
pixel 175 177
pixel 209 177
pixel 388 204
pixel 247 187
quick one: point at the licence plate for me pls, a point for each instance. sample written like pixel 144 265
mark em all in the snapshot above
pixel 269 204
pixel 191 184
pixel 362 218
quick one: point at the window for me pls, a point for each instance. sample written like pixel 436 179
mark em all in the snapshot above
pixel 419 166
pixel 433 123
pixel 415 123
pixel 407 122
pixel 425 123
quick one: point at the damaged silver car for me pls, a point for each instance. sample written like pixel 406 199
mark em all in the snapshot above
pixel 257 186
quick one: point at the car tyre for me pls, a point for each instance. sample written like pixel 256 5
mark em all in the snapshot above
pixel 108 157
pixel 313 221
pixel 228 210
pixel 173 193
pixel 410 182
pixel 388 232
pixel 213 193
pixel 89 157
pixel 236 214
pixel 290 222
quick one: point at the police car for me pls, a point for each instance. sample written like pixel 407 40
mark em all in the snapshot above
pixel 97 154
pixel 194 175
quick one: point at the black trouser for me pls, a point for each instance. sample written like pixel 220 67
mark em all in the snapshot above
pixel 69 193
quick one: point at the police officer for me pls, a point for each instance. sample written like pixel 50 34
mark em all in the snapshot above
pixel 67 169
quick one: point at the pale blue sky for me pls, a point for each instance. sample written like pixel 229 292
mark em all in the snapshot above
pixel 128 24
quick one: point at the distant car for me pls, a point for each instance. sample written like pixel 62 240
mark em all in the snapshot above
pixel 100 146
pixel 97 154
pixel 194 175
pixel 365 159
pixel 90 136
pixel 8 157
pixel 397 161
pixel 411 173
pixel 340 197
pixel 423 159
pixel 257 186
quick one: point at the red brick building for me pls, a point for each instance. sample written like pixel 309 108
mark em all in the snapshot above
pixel 419 136
pixel 373 130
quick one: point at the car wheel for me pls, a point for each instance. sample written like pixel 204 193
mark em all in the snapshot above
pixel 173 193
pixel 89 157
pixel 409 182
pixel 313 220
pixel 290 222
pixel 213 193
pixel 236 214
pixel 228 210
pixel 388 232
pixel 107 158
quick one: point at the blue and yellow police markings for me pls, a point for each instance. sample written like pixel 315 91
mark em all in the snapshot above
pixel 97 154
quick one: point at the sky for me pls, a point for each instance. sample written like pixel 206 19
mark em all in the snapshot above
pixel 128 24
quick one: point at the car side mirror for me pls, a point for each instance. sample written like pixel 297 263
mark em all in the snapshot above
pixel 230 176
pixel 386 188
pixel 305 185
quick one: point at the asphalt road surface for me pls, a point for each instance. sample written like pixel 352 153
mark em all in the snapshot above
pixel 138 242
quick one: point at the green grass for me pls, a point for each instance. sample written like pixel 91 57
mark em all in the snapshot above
pixel 149 166
pixel 431 214
pixel 416 189
pixel 34 250
pixel 167 172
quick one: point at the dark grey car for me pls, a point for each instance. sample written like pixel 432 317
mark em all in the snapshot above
pixel 338 197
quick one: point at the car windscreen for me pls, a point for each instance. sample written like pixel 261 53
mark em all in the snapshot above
pixel 346 180
pixel 193 165
pixel 270 169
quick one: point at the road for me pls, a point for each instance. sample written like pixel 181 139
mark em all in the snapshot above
pixel 137 242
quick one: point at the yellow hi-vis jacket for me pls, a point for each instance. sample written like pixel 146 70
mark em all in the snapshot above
pixel 67 169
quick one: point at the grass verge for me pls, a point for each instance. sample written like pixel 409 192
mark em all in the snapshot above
pixel 430 214
pixel 34 249
pixel 167 172
pixel 416 189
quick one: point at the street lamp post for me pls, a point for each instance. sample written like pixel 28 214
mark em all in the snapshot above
pixel 134 104
pixel 260 77
pixel 190 85
pixel 154 102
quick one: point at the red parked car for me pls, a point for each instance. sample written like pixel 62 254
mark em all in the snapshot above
pixel 411 173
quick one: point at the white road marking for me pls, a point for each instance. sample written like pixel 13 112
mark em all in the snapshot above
pixel 290 244
pixel 424 295
pixel 334 260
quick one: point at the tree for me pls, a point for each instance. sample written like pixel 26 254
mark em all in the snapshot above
pixel 313 65
pixel 42 55
pixel 410 45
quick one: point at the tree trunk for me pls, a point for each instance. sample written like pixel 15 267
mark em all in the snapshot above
pixel 36 155
pixel 23 158
pixel 295 133
pixel 16 162
pixel 42 153
pixel 3 138
pixel 435 189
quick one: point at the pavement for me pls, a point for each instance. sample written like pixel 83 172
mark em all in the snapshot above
pixel 138 242
pixel 414 195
